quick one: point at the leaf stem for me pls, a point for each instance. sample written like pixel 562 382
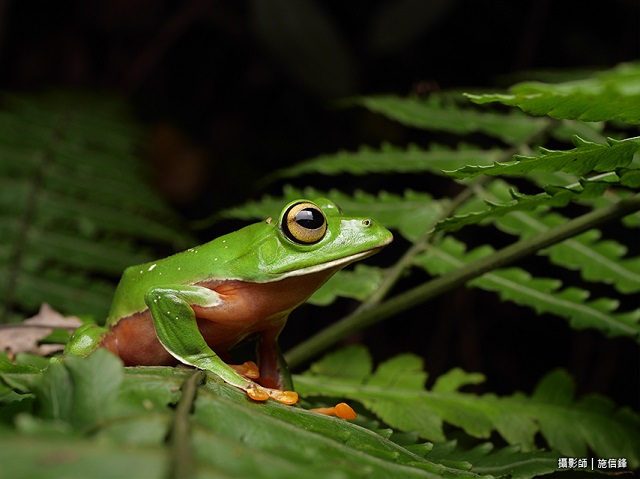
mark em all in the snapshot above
pixel 182 461
pixel 363 318
pixel 395 272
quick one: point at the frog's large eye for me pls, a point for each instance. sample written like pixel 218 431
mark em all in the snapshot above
pixel 304 223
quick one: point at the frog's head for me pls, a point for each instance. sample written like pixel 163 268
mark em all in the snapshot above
pixel 312 236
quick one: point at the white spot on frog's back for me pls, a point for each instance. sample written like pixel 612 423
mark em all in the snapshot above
pixel 152 267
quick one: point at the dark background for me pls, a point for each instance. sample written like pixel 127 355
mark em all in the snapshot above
pixel 231 90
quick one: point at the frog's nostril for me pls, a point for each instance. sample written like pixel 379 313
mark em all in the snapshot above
pixel 366 222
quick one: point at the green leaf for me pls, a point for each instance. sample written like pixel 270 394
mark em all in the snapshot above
pixel 69 457
pixel 568 425
pixel 597 260
pixel 509 461
pixel 96 381
pixel 412 213
pixel 54 392
pixel 455 379
pixel 586 157
pixel 404 371
pixel 603 429
pixel 610 95
pixel 553 197
pixel 353 363
pixel 358 283
pixel 79 391
pixel 72 203
pixel 392 159
pixel 541 294
pixel 134 413
pixel 431 114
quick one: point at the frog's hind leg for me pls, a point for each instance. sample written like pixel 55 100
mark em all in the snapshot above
pixel 177 330
pixel 85 340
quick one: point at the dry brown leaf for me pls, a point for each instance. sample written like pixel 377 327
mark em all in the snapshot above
pixel 25 337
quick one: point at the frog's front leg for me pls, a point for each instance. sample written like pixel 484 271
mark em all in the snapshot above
pixel 177 330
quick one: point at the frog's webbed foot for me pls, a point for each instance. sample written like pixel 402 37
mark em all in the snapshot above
pixel 341 410
pixel 260 393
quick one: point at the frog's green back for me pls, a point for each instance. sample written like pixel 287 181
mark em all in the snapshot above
pixel 225 257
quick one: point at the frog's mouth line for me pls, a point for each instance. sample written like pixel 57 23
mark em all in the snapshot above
pixel 336 263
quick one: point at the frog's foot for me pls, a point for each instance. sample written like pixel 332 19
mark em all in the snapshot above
pixel 260 393
pixel 341 410
pixel 248 369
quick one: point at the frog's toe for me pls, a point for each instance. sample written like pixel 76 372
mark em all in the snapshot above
pixel 257 393
pixel 285 397
pixel 248 369
pixel 341 410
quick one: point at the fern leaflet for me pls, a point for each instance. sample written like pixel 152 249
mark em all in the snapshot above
pixel 395 393
pixel 586 157
pixel 431 114
pixel 542 294
pixel 72 203
pixel 610 95
pixel 392 159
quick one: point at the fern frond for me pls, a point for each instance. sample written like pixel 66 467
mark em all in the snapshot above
pixel 431 114
pixel 541 294
pixel 510 461
pixel 124 422
pixel 610 95
pixel 597 260
pixel 72 203
pixel 554 197
pixel 358 283
pixel 411 213
pixel 393 159
pixel 586 157
pixel 395 393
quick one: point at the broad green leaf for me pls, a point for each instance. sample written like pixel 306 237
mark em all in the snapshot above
pixel 78 391
pixel 54 393
pixel 28 456
pixel 509 461
pixel 313 443
pixel 134 414
pixel 94 394
pixel 586 157
pixel 610 95
pixel 542 294
pixel 431 114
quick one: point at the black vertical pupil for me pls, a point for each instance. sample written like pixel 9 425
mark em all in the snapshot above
pixel 309 218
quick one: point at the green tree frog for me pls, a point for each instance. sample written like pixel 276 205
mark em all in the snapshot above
pixel 239 286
